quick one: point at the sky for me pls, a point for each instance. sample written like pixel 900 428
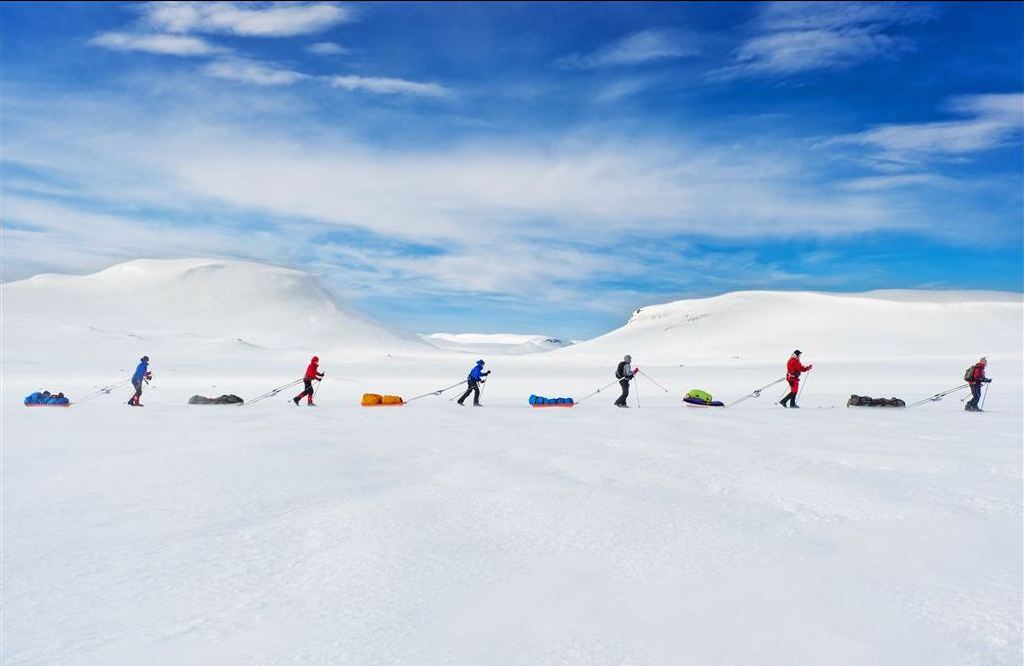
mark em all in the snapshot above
pixel 516 167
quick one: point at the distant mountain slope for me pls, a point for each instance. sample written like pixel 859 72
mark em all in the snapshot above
pixel 202 298
pixel 768 325
pixel 495 343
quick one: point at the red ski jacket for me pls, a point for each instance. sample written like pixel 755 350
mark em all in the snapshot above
pixel 978 374
pixel 312 371
pixel 794 368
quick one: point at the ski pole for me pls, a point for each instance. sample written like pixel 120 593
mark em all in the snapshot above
pixel 315 388
pixel 437 392
pixel 938 396
pixel 983 396
pixel 648 377
pixel 756 393
pixel 636 392
pixel 596 392
pixel 802 386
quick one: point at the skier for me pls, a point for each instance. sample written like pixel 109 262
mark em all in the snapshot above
pixel 624 375
pixel 793 369
pixel 473 381
pixel 141 372
pixel 312 372
pixel 975 377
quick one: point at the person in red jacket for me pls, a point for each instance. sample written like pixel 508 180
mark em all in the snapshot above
pixel 977 378
pixel 793 369
pixel 312 372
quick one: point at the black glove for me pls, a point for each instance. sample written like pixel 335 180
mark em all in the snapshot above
pixel 486 373
pixel 987 381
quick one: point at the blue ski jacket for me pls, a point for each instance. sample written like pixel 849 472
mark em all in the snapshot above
pixel 140 372
pixel 477 373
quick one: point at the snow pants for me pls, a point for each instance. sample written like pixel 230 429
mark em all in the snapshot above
pixel 134 400
pixel 308 390
pixel 624 383
pixel 972 404
pixel 474 388
pixel 794 389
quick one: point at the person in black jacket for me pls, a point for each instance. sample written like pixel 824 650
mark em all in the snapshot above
pixel 624 374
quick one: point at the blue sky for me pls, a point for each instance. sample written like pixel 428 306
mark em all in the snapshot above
pixel 521 167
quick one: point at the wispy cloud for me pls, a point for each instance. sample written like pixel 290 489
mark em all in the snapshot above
pixel 177 45
pixel 636 49
pixel 252 71
pixel 327 49
pixel 997 120
pixel 246 19
pixel 876 183
pixel 388 86
pixel 797 37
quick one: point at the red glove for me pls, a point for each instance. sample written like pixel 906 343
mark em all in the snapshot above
pixel 636 370
pixel 149 375
pixel 810 367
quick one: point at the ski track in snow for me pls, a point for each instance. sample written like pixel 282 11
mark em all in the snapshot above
pixel 430 533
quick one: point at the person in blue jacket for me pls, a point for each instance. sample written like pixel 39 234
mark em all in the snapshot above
pixel 141 372
pixel 473 381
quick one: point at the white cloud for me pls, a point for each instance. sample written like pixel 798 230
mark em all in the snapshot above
pixel 388 86
pixel 997 121
pixel 635 49
pixel 836 15
pixel 876 183
pixel 248 19
pixel 327 49
pixel 784 53
pixel 179 45
pixel 797 37
pixel 251 71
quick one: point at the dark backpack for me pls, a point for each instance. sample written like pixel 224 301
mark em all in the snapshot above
pixel 620 372
pixel 969 374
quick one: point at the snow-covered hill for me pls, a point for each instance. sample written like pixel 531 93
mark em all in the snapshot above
pixel 765 325
pixel 197 300
pixel 495 343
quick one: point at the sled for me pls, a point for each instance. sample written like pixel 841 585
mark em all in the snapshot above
pixel 377 400
pixel 541 401
pixel 43 404
pixel 698 402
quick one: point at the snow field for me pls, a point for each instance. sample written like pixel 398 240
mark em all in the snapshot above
pixel 437 534
pixel 434 534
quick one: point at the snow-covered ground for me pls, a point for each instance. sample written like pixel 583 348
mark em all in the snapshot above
pixel 430 533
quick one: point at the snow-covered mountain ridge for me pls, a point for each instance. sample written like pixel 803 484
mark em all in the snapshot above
pixel 878 324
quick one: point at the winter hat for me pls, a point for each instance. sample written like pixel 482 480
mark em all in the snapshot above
pixel 480 362
pixel 627 358
pixel 316 359
pixel 144 359
pixel 796 352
